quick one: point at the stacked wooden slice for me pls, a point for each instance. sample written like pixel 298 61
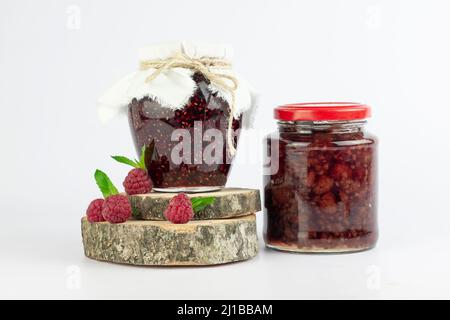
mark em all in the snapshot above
pixel 221 233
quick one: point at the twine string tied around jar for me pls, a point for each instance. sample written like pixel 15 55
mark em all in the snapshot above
pixel 205 66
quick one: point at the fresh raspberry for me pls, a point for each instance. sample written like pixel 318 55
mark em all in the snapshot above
pixel 116 209
pixel 94 211
pixel 137 182
pixel 179 210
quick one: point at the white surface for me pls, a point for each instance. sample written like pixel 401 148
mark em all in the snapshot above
pixel 392 55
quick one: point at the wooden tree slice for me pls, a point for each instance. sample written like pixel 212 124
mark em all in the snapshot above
pixel 229 203
pixel 161 243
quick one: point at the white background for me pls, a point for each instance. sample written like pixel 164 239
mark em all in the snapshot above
pixel 56 57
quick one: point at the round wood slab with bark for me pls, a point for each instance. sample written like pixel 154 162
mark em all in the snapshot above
pixel 229 203
pixel 161 243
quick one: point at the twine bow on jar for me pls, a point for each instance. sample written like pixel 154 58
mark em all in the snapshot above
pixel 204 66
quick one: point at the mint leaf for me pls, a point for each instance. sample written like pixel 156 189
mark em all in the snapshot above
pixel 135 212
pixel 142 158
pixel 199 204
pixel 139 164
pixel 105 184
pixel 126 160
pixel 150 152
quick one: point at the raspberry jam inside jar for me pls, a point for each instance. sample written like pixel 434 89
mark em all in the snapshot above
pixel 321 191
pixel 154 126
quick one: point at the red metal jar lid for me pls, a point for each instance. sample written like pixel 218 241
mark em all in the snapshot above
pixel 321 111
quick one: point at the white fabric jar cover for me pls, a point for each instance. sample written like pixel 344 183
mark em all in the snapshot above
pixel 174 87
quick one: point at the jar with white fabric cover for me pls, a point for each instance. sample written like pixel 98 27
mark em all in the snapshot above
pixel 186 106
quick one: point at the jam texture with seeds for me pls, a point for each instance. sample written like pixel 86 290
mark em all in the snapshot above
pixel 153 125
pixel 323 198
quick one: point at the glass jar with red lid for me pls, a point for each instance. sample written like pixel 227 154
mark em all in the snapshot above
pixel 321 189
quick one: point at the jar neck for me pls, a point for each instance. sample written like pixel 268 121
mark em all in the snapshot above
pixel 308 127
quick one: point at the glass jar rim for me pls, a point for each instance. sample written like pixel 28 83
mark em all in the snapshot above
pixel 322 111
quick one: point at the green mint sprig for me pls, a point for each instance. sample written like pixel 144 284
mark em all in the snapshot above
pixel 105 184
pixel 138 164
pixel 199 204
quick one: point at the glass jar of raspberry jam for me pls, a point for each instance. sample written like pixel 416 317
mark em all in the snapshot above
pixel 321 192
pixel 156 127
pixel 186 106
